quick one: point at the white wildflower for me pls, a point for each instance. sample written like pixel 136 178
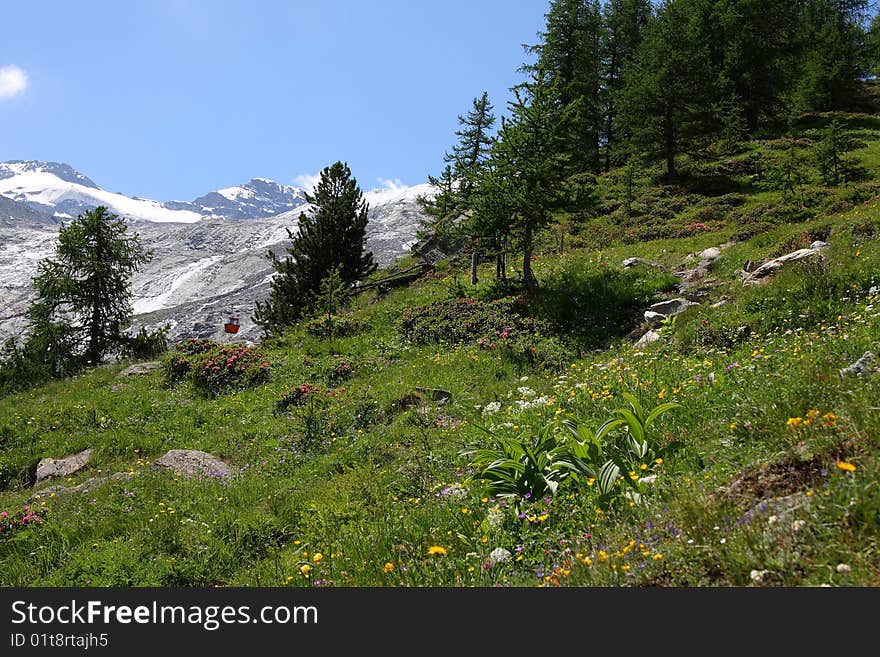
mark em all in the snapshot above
pixel 499 555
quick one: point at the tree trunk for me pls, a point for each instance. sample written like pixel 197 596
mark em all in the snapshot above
pixel 475 259
pixel 669 134
pixel 528 277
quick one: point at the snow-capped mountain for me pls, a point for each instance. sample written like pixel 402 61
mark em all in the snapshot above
pixel 257 199
pixel 59 190
pixel 203 269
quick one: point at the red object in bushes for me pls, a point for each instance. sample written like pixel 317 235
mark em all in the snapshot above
pixel 232 325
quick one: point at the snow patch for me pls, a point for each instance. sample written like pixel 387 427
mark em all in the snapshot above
pixel 152 304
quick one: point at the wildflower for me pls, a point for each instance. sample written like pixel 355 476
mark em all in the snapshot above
pixel 305 569
pixel 794 422
pixel 317 557
pixel 438 550
pixel 657 557
pixel 846 466
pixel 843 568
pixel 658 461
pixel 499 555
pixel 388 567
pixel 661 394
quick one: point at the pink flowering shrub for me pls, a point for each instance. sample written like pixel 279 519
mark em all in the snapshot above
pixel 228 369
pixel 18 520
pixel 215 369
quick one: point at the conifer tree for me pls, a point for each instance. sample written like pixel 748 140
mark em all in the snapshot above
pixel 332 236
pixel 464 165
pixel 531 166
pixel 624 22
pixel 84 293
pixel 569 53
pixel 670 86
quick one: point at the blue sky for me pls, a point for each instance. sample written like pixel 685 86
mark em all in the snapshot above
pixel 170 99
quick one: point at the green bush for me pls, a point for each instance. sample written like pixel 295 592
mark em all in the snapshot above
pixel 342 326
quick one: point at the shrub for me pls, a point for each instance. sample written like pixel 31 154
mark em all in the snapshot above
pixel 295 397
pixel 343 326
pixel 227 369
pixel 339 369
pixel 467 320
pixel 10 523
pixel 145 344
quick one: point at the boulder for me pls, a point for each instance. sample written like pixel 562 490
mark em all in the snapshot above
pixel 709 255
pixel 671 307
pixel 647 338
pixel 48 468
pixel 86 486
pixel 861 366
pixel 140 368
pixel 819 244
pixel 654 317
pixel 629 263
pixel 772 266
pixel 193 463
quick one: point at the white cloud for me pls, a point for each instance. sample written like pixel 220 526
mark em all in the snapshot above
pixel 13 81
pixel 395 185
pixel 307 181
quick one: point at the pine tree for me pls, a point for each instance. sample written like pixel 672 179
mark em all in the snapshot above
pixel 569 53
pixel 464 166
pixel 332 236
pixel 624 22
pixel 670 88
pixel 84 293
pixel 530 165
pixel 834 56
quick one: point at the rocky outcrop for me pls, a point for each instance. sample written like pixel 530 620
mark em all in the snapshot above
pixel 864 365
pixel 670 307
pixel 48 468
pixel 770 267
pixel 140 368
pixel 193 463
pixel 648 338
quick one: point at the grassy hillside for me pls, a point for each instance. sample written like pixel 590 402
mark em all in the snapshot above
pixel 764 473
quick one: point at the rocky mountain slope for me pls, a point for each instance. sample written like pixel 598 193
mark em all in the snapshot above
pixel 209 254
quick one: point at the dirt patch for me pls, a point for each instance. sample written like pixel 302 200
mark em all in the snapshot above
pixel 774 480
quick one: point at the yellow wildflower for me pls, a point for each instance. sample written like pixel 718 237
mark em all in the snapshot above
pixel 846 467
pixel 388 567
pixel 438 550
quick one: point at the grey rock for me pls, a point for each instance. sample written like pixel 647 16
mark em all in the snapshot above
pixel 192 463
pixel 654 317
pixel 819 244
pixel 671 307
pixel 648 338
pixel 86 486
pixel 140 368
pixel 629 263
pixel 48 468
pixel 710 255
pixel 862 366
pixel 772 266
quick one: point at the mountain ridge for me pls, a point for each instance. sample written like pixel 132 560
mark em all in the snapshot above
pixel 204 268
